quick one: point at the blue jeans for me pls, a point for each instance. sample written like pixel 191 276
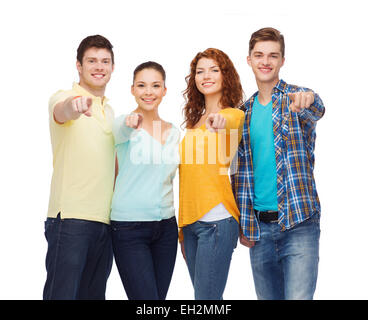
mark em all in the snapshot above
pixel 285 263
pixel 78 260
pixel 208 249
pixel 145 254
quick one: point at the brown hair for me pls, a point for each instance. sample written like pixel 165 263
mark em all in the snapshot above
pixel 95 41
pixel 150 65
pixel 232 92
pixel 267 34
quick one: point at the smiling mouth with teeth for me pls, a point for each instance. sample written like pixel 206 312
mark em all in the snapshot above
pixel 99 76
pixel 148 100
pixel 265 69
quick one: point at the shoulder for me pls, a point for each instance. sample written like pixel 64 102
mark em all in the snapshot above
pixel 170 132
pixel 59 96
pixel 174 130
pixel 290 88
pixel 233 112
pixel 172 127
pixel 234 117
pixel 248 104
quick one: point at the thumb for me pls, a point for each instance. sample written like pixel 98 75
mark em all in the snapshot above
pixel 291 96
pixel 209 122
pixel 210 119
pixel 140 120
pixel 89 101
pixel 140 117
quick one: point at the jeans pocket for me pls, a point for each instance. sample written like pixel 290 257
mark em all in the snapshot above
pixel 49 223
pixel 313 220
pixel 124 225
pixel 207 224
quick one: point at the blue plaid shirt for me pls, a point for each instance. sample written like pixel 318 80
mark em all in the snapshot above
pixel 294 138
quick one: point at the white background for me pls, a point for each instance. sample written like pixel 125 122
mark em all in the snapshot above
pixel 326 50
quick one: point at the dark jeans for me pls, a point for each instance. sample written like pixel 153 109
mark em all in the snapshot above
pixel 79 259
pixel 145 254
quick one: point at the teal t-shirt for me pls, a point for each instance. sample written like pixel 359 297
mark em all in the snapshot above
pixel 263 156
pixel 144 185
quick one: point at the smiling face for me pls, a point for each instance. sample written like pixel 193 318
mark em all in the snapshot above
pixel 266 61
pixel 148 89
pixel 208 77
pixel 95 71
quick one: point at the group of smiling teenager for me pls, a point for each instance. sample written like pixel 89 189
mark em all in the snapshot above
pixel 112 185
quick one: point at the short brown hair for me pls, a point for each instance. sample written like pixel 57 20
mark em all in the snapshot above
pixel 267 34
pixel 95 41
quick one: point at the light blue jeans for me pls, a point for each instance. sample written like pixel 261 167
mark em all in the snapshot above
pixel 208 248
pixel 285 263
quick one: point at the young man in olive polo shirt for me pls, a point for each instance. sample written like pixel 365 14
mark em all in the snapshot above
pixel 79 256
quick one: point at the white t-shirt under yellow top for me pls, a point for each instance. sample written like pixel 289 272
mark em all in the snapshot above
pixel 83 161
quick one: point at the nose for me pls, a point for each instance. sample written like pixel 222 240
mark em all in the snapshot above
pixel 265 60
pixel 206 74
pixel 148 90
pixel 99 66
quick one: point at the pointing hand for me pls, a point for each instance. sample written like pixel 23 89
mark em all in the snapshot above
pixel 215 121
pixel 300 100
pixel 80 105
pixel 134 120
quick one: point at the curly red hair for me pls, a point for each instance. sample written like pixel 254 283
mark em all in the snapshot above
pixel 232 92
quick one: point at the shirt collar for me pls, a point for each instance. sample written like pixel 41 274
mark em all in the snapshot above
pixel 281 86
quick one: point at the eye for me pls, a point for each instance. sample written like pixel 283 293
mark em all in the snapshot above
pixel 199 72
pixel 157 86
pixel 140 85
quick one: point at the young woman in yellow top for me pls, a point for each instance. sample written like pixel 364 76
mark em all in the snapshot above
pixel 208 214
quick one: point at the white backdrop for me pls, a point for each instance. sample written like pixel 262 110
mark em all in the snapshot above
pixel 326 50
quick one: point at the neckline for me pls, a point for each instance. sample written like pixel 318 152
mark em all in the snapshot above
pixel 263 105
pixel 167 138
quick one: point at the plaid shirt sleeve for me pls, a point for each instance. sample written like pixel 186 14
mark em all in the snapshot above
pixel 242 179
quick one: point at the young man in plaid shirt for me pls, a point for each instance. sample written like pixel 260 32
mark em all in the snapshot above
pixel 273 181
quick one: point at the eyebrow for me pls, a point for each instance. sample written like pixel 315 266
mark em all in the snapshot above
pixel 260 52
pixel 94 58
pixel 140 81
pixel 210 67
